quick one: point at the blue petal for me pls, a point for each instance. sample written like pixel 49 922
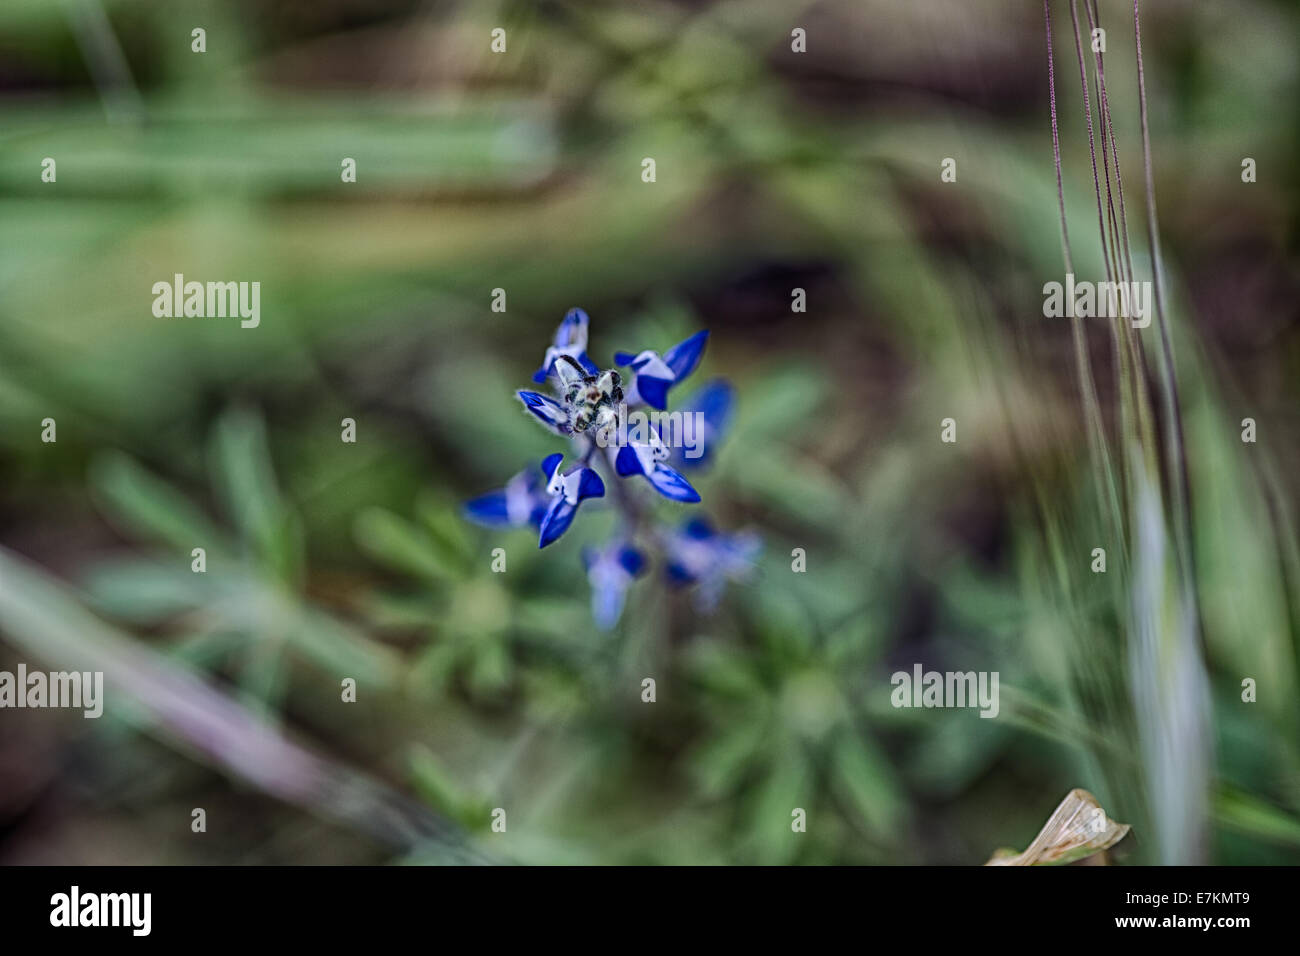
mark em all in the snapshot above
pixel 632 560
pixel 624 358
pixel 489 509
pixel 653 390
pixel 548 411
pixel 682 460
pixel 698 529
pixel 570 339
pixel 714 401
pixel 572 330
pixel 590 485
pixel 550 463
pixel 607 605
pixel 678 574
pixel 548 368
pixel 626 462
pixel 557 520
pixel 684 356
pixel 709 594
pixel 671 484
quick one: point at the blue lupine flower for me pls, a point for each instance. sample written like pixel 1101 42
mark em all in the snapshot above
pixel 713 402
pixel 611 571
pixel 647 458
pixel 570 340
pixel 587 406
pixel 552 414
pixel 699 554
pixel 655 375
pixel 523 501
pixel 568 489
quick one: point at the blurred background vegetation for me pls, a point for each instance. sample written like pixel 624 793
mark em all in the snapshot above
pixel 775 170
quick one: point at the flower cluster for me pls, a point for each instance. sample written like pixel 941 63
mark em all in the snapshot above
pixel 590 407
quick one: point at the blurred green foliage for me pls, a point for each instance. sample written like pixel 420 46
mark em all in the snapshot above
pixel 479 690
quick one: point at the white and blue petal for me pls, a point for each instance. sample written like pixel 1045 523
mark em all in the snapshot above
pixel 490 510
pixel 572 331
pixel 567 491
pixel 552 414
pixel 639 458
pixel 706 415
pixel 634 458
pixel 651 381
pixel 671 484
pixel 521 502
pixel 651 390
pixel 611 571
pixel 549 465
pixel 571 340
pixel 631 560
pixel 685 355
pixel 556 521
pixel 656 374
pixel 697 554
pixel 589 485
pixel 577 485
pixel 646 363
pixel 690 551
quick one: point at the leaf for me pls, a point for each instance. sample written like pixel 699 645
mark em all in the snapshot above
pixel 721 762
pixel 340 649
pixel 149 506
pixel 490 671
pixel 784 789
pixel 447 532
pixel 434 666
pixel 865 779
pixel 724 672
pixel 437 786
pixel 1247 814
pixel 145 590
pixel 788 399
pixel 399 544
pixel 1078 828
pixel 245 479
pixel 800 489
pixel 42 617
